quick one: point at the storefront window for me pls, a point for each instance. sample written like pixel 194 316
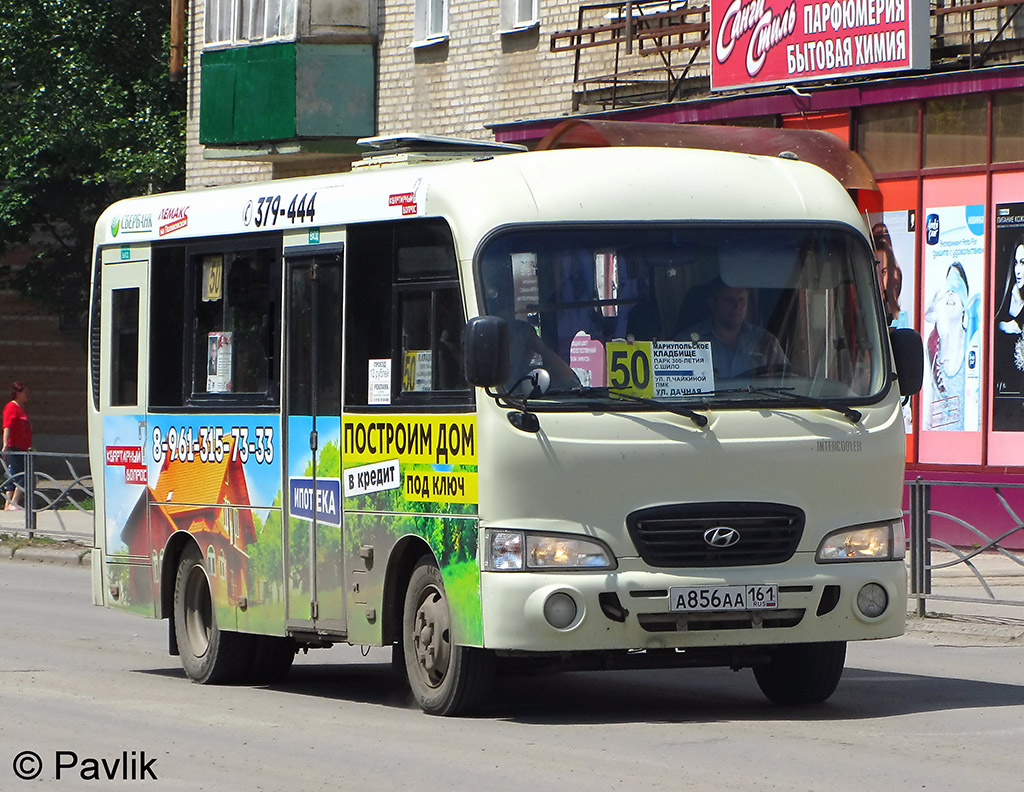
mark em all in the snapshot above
pixel 1007 126
pixel 887 137
pixel 955 131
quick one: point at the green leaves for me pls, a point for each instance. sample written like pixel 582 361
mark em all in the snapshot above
pixel 87 117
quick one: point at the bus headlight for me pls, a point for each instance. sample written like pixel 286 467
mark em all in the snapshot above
pixel 882 542
pixel 506 550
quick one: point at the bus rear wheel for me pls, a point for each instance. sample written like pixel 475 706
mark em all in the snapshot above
pixel 445 679
pixel 208 655
pixel 801 674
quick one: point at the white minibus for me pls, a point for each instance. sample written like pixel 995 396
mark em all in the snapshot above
pixel 496 409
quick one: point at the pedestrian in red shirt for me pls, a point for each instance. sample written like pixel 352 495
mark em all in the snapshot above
pixel 17 440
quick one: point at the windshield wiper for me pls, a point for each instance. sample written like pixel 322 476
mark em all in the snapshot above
pixel 698 418
pixel 807 401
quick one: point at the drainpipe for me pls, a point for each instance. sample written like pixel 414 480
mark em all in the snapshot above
pixel 177 60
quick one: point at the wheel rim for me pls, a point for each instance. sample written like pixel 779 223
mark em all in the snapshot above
pixel 198 611
pixel 431 637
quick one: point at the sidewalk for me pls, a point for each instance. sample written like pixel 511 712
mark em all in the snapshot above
pixel 69 525
pixel 979 617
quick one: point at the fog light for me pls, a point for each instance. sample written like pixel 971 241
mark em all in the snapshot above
pixel 872 600
pixel 560 610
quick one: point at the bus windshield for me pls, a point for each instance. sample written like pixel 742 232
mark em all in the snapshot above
pixel 710 313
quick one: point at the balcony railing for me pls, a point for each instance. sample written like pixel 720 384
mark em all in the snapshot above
pixel 647 51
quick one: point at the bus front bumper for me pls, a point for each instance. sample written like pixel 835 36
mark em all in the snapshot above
pixel 630 608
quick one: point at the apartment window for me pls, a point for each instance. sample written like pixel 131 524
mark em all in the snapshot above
pixel 518 15
pixel 240 22
pixel 430 24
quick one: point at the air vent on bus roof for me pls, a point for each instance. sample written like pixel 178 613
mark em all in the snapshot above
pixel 413 149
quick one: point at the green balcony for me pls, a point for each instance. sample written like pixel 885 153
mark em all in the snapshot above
pixel 283 93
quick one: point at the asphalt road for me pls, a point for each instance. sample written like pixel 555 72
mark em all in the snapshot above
pixel 80 686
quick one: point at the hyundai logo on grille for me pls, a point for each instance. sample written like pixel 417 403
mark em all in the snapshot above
pixel 721 536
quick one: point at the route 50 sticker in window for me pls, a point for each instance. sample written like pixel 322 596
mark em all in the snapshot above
pixel 660 370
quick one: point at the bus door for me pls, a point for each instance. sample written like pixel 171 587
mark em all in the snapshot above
pixel 314 557
pixel 124 335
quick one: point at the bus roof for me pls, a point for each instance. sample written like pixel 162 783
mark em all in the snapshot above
pixel 568 185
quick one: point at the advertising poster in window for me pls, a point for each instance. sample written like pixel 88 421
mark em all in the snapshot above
pixel 218 370
pixel 1008 327
pixel 954 268
pixel 892 234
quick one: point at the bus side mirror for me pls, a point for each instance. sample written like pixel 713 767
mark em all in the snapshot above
pixel 908 354
pixel 487 351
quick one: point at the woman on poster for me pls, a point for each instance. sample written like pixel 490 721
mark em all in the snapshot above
pixel 954 315
pixel 1009 346
pixel 890 276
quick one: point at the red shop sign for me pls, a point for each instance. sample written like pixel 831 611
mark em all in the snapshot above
pixel 765 42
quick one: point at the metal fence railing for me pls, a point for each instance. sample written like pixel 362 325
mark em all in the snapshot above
pixel 57 495
pixel 985 566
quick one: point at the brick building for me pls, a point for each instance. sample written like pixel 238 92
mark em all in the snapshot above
pixel 35 347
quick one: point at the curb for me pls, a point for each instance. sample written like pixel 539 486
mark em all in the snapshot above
pixel 978 629
pixel 66 556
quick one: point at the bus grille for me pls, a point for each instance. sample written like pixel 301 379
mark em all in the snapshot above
pixel 752 534
pixel 701 622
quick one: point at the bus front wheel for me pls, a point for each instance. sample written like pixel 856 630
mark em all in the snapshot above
pixel 445 679
pixel 802 673
pixel 207 654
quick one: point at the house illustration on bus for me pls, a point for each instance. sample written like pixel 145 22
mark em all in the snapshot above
pixel 210 500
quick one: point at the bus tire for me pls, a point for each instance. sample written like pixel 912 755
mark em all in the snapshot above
pixel 445 679
pixel 800 674
pixel 208 655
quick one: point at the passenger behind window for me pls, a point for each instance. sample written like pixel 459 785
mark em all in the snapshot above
pixel 527 351
pixel 737 346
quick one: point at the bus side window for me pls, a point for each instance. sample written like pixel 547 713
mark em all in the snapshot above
pixel 124 348
pixel 215 321
pixel 404 311
pixel 431 339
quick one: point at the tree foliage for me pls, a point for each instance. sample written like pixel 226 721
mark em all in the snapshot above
pixel 87 117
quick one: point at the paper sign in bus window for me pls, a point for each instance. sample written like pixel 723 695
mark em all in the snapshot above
pixel 379 381
pixel 524 276
pixel 660 370
pixel 587 360
pixel 682 368
pixel 218 371
pixel 213 278
pixel 419 370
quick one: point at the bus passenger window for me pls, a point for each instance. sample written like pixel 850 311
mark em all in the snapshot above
pixel 124 348
pixel 431 338
pixel 407 313
pixel 236 323
pixel 215 323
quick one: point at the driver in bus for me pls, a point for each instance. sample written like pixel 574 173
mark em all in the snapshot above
pixel 528 352
pixel 737 346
